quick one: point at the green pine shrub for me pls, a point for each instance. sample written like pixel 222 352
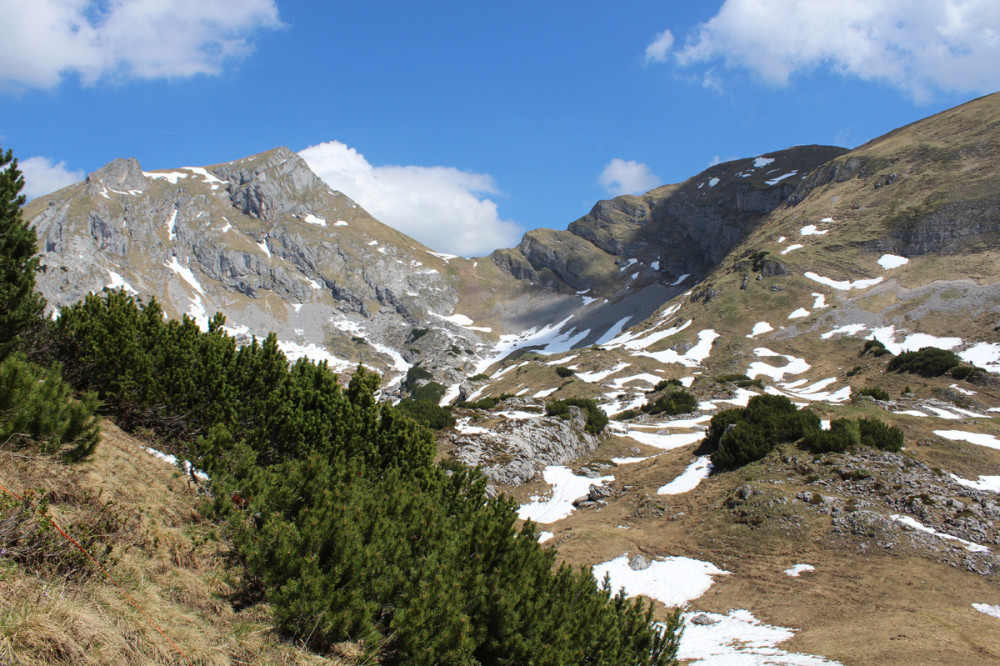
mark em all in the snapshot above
pixel 843 434
pixel 37 409
pixel 673 402
pixel 874 348
pixel 352 532
pixel 596 418
pixel 427 412
pixel 965 371
pixel 564 372
pixel 875 392
pixel 744 443
pixel 664 384
pixel 878 435
pixel 926 362
pixel 740 436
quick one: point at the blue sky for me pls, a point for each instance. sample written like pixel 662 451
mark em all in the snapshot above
pixel 464 124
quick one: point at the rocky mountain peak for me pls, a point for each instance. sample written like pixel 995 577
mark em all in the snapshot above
pixel 122 174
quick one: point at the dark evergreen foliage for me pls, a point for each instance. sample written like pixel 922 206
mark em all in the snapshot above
pixel 875 392
pixel 20 305
pixel 748 434
pixel 673 402
pixel 926 362
pixel 428 413
pixel 564 372
pixel 596 418
pixel 878 435
pixel 874 348
pixel 843 434
pixel 37 409
pixel 351 533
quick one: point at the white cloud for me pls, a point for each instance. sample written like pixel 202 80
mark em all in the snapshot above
pixel 442 207
pixel 917 46
pixel 658 48
pixel 45 40
pixel 627 177
pixel 41 176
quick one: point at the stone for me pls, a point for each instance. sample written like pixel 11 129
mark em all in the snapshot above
pixel 638 562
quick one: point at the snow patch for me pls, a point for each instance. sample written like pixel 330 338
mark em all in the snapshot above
pixel 689 479
pixel 171 177
pixel 713 182
pixel 674 581
pixel 118 282
pixel 775 181
pixel 790 248
pixel 842 285
pixel 910 522
pixel 799 314
pixel 990 483
pixel 312 219
pixel 978 438
pixel 888 261
pixel 760 328
pixel 185 274
pixel 798 569
pixel 992 611
pixel 739 639
pixel 566 487
pixel 811 230
pixel 762 161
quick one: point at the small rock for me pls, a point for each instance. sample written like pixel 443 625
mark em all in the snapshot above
pixel 599 492
pixel 638 562
pixel 703 619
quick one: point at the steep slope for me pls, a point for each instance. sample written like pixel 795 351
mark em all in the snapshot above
pixel 897 241
pixel 264 241
pixel 615 266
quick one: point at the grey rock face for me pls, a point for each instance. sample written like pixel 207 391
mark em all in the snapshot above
pixel 515 450
pixel 266 242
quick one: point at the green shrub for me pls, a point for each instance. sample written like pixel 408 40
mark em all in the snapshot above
pixel 964 371
pixel 674 402
pixel 427 412
pixel 596 418
pixel 718 424
pixel 352 532
pixel 743 435
pixel 926 362
pixel 417 333
pixel 874 348
pixel 416 374
pixel 875 392
pixel 564 372
pixel 731 378
pixel 628 414
pixel 855 370
pixel 480 377
pixel 842 435
pixel 665 383
pixel 744 443
pixel 878 435
pixel 429 392
pixel 37 409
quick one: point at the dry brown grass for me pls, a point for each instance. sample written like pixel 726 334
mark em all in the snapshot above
pixel 170 561
pixel 872 607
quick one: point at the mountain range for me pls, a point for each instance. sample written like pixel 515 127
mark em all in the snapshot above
pixel 763 275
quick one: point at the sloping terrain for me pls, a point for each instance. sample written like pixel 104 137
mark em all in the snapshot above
pixel 154 542
pixel 769 275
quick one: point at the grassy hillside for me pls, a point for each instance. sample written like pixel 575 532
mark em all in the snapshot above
pixel 164 554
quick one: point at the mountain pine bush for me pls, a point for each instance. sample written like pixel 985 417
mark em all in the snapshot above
pixel 36 408
pixel 926 362
pixel 346 526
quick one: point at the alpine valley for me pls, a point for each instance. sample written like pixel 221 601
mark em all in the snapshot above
pixel 804 273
